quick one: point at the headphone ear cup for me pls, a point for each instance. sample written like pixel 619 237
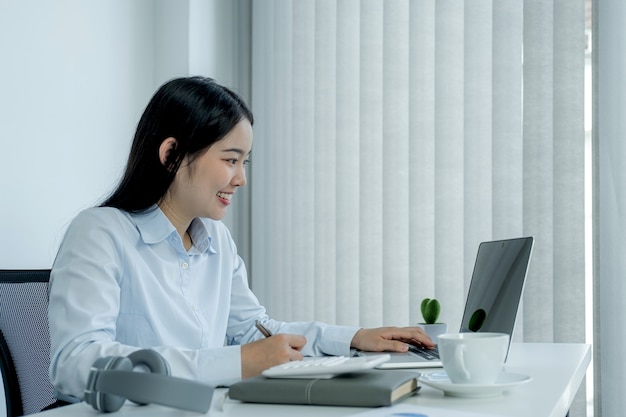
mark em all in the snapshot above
pixel 107 403
pixel 150 359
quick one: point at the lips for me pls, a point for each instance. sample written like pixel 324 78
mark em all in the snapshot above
pixel 225 196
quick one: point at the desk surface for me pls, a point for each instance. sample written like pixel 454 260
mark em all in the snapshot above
pixel 557 370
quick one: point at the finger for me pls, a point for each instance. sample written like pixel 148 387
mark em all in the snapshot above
pixel 424 341
pixel 296 355
pixel 411 335
pixel 394 346
pixel 429 344
pixel 408 333
pixel 296 342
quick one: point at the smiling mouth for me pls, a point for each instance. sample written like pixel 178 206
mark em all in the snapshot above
pixel 225 196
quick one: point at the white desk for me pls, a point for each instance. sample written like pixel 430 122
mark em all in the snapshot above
pixel 557 371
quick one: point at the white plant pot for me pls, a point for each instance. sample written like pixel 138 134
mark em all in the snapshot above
pixel 434 330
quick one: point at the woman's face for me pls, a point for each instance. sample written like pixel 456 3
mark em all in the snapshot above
pixel 205 187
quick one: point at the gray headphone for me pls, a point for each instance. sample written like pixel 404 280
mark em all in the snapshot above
pixel 112 380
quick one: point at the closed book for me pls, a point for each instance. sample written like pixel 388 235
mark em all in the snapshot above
pixel 374 388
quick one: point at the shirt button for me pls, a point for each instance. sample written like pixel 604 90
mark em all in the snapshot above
pixel 184 265
pixel 194 307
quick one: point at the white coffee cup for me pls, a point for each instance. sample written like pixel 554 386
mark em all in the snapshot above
pixel 473 358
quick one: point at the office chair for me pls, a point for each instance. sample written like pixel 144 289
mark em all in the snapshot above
pixel 25 341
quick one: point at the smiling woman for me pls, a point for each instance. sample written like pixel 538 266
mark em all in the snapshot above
pixel 154 267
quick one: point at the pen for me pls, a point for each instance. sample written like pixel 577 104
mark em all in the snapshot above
pixel 263 329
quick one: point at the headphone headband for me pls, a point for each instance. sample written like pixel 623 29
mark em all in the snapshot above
pixel 160 389
pixel 112 381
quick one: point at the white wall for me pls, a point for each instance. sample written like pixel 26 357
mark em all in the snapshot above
pixel 75 76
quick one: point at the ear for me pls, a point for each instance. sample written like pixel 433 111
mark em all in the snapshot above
pixel 166 148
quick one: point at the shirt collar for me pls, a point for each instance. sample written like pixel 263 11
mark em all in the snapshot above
pixel 154 227
pixel 200 236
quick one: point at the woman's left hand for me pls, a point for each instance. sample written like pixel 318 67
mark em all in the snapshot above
pixel 392 339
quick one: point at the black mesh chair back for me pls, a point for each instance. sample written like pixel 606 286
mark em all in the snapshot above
pixel 25 340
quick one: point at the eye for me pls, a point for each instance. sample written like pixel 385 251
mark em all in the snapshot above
pixel 246 162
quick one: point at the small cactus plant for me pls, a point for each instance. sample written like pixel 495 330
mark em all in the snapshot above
pixel 430 308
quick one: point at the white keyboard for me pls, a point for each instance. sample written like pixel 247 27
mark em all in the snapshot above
pixel 325 367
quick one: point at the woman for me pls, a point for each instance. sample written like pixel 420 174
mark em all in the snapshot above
pixel 153 266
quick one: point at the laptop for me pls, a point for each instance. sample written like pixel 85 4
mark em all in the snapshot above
pixel 492 300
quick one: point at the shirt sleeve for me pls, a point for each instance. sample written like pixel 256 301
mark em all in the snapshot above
pixel 83 305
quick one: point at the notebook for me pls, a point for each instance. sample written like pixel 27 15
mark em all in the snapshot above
pixel 357 389
pixel 492 301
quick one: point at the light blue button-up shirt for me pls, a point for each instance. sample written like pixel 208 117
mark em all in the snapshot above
pixel 124 281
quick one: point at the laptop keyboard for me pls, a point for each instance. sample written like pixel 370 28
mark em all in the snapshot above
pixel 429 354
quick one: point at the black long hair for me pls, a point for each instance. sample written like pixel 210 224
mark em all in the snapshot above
pixel 196 111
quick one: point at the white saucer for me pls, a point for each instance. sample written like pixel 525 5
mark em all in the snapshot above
pixel 505 382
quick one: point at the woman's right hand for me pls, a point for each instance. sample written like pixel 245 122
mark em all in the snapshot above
pixel 274 350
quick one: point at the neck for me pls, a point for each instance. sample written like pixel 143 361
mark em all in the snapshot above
pixel 179 222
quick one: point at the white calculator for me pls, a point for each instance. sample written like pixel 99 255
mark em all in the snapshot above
pixel 325 367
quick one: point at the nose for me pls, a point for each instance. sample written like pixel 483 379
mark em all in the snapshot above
pixel 239 180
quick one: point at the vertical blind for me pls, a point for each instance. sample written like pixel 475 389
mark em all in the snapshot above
pixel 392 137
pixel 610 187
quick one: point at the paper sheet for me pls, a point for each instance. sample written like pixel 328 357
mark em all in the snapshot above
pixel 408 410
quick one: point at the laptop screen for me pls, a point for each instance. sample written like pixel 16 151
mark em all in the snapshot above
pixel 496 286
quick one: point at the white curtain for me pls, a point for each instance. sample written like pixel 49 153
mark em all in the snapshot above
pixel 392 137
